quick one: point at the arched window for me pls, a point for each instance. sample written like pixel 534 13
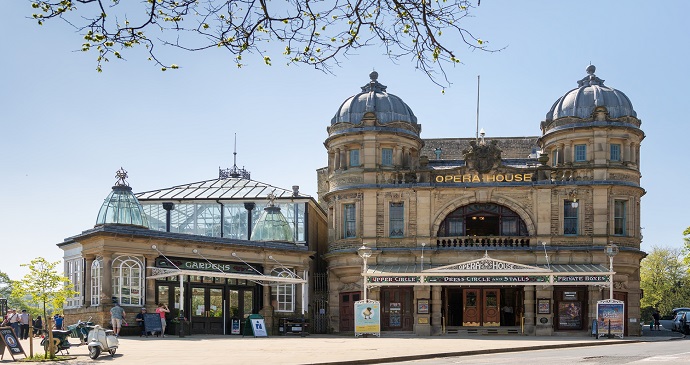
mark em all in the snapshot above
pixel 128 283
pixel 482 220
pixel 283 294
pixel 96 281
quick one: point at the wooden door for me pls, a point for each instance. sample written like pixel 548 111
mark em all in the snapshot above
pixel 471 311
pixel 347 311
pixel 491 313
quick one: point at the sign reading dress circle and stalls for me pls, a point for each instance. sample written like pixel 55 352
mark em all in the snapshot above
pixel 9 340
pixel 367 318
pixel 610 312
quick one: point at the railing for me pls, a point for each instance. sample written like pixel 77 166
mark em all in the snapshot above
pixel 482 241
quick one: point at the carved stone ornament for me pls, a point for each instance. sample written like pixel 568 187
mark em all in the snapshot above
pixel 350 287
pixel 482 157
pixel 488 264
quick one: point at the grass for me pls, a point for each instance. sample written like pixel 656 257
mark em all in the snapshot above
pixel 43 358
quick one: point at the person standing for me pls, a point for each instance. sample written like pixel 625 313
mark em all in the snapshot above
pixel 58 321
pixel 13 319
pixel 24 325
pixel 657 318
pixel 162 310
pixel 117 316
pixel 140 321
pixel 38 326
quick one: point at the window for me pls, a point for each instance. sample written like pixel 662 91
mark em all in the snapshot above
pixel 74 272
pixel 397 219
pixel 128 281
pixel 387 157
pixel 354 157
pixel 580 153
pixel 96 280
pixel 350 227
pixel 569 218
pixel 283 294
pixel 615 152
pixel 619 207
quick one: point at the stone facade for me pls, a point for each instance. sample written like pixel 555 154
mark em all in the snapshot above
pixel 569 193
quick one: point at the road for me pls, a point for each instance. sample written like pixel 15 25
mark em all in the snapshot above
pixel 647 353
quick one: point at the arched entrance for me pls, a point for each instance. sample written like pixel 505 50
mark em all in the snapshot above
pixel 482 219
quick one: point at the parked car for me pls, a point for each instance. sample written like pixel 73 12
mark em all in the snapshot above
pixel 684 326
pixel 678 319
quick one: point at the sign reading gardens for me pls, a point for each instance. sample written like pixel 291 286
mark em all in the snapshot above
pixel 479 178
pixel 187 264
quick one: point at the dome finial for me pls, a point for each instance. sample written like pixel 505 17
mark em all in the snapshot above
pixel 591 79
pixel 121 175
pixel 374 76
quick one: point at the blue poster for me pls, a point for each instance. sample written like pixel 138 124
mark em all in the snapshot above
pixel 367 317
pixel 611 313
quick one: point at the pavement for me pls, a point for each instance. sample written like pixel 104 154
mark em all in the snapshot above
pixel 328 349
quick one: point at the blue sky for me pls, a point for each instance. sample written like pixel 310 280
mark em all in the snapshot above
pixel 66 129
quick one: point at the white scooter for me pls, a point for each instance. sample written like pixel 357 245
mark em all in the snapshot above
pixel 101 340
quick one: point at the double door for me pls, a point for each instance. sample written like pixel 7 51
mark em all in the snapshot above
pixel 481 307
pixel 212 308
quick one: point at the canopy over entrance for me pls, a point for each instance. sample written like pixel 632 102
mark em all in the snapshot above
pixel 487 271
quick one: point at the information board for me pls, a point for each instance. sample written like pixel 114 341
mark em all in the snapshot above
pixel 610 317
pixel 152 323
pixel 9 341
pixel 259 327
pixel 368 317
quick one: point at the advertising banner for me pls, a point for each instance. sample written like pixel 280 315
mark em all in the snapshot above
pixel 610 312
pixel 367 317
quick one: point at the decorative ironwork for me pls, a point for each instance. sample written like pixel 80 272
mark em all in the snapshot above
pixel 487 264
pixel 234 171
pixel 121 175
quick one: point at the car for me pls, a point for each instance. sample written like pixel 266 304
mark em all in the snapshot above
pixel 684 325
pixel 678 319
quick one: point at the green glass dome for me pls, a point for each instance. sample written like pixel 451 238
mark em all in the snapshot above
pixel 121 206
pixel 272 226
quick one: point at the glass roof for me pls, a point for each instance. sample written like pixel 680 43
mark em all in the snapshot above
pixel 230 188
pixel 272 226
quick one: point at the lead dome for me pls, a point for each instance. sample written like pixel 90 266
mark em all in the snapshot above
pixel 591 93
pixel 374 98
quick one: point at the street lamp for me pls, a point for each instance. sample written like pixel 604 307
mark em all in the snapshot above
pixel 365 253
pixel 611 250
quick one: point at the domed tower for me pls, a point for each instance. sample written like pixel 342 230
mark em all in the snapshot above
pixel 121 206
pixel 373 141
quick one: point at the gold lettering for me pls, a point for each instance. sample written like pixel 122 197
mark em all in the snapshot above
pixel 518 177
pixel 466 178
pixel 528 177
pixel 457 178
pixel 449 178
pixel 500 178
pixel 489 178
pixel 509 177
pixel 475 178
pixel 439 179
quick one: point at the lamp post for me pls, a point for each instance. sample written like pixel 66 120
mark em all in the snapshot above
pixel 364 252
pixel 611 250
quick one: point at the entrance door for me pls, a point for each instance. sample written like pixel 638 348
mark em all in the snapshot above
pixel 471 311
pixel 347 311
pixel 206 310
pixel 491 314
pixel 481 307
pixel 396 309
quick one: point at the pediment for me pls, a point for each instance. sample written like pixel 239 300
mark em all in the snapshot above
pixel 487 264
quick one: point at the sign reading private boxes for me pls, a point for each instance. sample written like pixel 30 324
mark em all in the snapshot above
pixel 610 316
pixel 367 318
pixel 9 340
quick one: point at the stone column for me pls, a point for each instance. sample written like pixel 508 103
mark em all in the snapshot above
pixel 529 310
pixel 626 152
pixel 150 293
pixel 107 283
pixel 568 153
pixel 633 153
pixel 336 164
pixel 266 307
pixel 422 321
pixel 436 317
pixel 544 322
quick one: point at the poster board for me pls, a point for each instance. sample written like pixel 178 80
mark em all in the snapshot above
pixel 367 318
pixel 9 341
pixel 152 323
pixel 610 312
pixel 255 326
pixel 235 326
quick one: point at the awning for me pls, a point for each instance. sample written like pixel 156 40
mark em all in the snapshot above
pixel 159 273
pixel 486 272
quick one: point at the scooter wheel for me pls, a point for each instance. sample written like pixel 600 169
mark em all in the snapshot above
pixel 94 351
pixel 112 351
